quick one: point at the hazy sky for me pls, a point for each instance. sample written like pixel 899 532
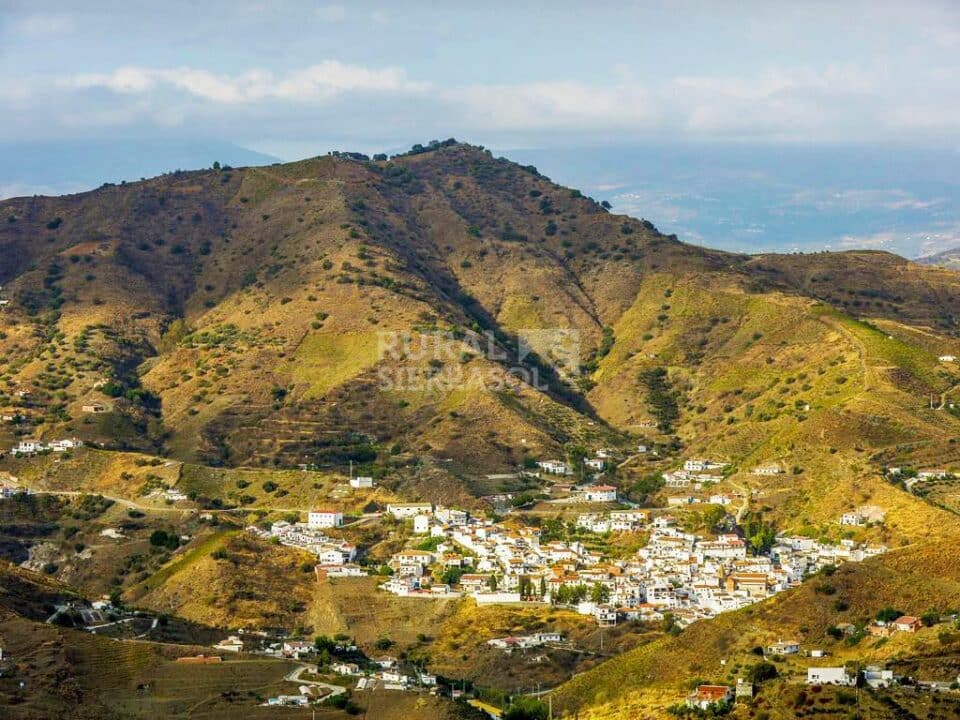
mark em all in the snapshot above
pixel 297 78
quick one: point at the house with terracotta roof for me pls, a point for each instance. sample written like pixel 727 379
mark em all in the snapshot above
pixel 907 623
pixel 600 493
pixel 706 695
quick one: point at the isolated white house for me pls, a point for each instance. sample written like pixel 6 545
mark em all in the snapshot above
pixel 829 676
pixel 361 482
pixel 781 647
pixel 768 470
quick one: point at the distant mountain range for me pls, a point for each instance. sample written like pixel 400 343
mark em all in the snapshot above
pixel 56 168
pixel 948 259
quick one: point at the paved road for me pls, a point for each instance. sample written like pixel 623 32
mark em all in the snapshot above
pixel 745 505
pixel 294 677
pixel 118 500
pixel 366 517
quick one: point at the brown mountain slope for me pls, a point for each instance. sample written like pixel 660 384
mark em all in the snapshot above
pixel 238 315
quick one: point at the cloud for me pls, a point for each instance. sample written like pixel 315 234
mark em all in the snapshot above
pixel 556 104
pixel 778 102
pixel 835 103
pixel 320 81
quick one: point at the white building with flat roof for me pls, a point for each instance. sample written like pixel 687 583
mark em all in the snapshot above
pixel 403 511
pixel 324 518
pixel 829 676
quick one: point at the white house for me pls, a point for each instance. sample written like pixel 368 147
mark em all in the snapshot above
pixel 297 648
pixel 28 447
pixel 706 696
pixel 947 358
pixel 678 479
pixel 361 482
pixel 555 467
pixel 421 524
pixel 324 519
pixel 853 519
pixel 605 615
pixel 768 470
pixel 702 465
pixel 600 493
pixel 781 647
pixel 451 516
pixel 877 677
pixel 829 676
pixel 64 445
pixel 403 511
pixel 231 644
pixel 345 668
pixel 595 463
pixel 427 679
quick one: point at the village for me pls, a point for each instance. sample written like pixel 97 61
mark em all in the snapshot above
pixel 688 576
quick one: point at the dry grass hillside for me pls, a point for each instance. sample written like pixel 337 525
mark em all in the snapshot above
pixel 234 316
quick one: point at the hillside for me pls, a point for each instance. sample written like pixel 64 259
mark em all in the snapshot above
pixel 233 317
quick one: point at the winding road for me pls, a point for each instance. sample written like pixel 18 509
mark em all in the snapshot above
pixel 294 677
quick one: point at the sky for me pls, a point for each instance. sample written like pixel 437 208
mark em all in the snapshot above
pixel 297 78
pixel 732 124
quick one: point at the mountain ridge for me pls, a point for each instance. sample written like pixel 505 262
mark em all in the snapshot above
pixel 232 350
